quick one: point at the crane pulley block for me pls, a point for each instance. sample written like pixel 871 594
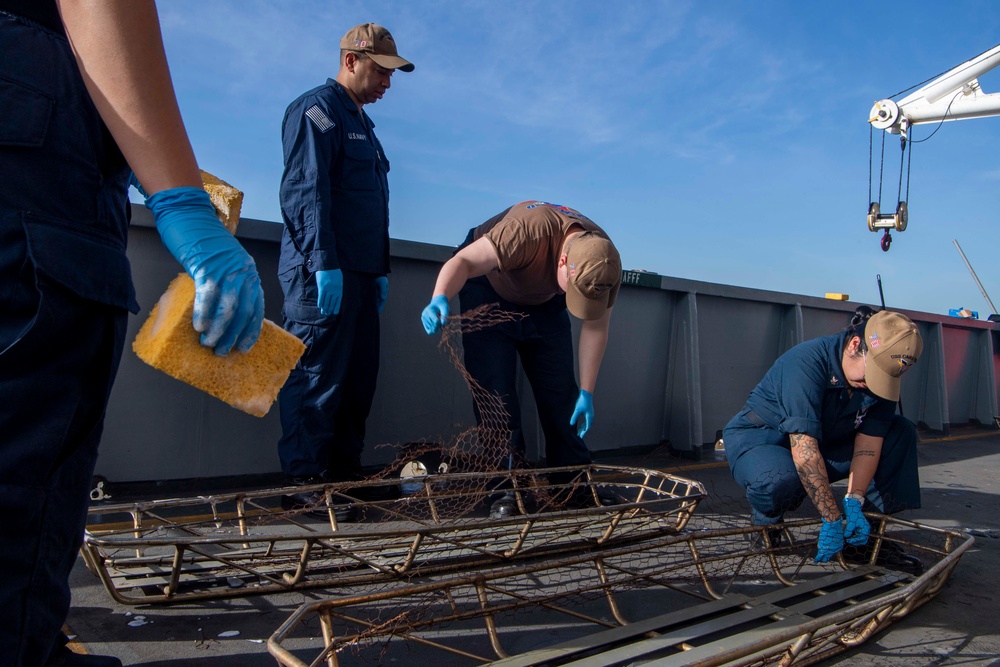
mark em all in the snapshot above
pixel 878 220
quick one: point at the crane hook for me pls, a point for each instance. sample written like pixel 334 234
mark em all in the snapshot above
pixel 886 241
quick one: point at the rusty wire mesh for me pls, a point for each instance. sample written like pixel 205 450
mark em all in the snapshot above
pixel 241 544
pixel 717 596
pixel 412 521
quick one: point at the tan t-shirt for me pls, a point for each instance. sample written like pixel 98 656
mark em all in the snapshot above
pixel 528 240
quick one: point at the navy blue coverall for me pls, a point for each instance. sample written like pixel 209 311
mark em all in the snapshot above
pixel 805 391
pixel 335 208
pixel 65 294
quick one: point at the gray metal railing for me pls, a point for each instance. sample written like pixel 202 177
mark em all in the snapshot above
pixel 682 357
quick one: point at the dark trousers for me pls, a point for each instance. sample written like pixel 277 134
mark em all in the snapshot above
pixel 542 340
pixel 325 402
pixel 58 361
pixel 64 290
pixel 766 470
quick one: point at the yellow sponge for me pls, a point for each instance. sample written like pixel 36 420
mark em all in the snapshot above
pixel 835 296
pixel 226 199
pixel 249 382
pixel 168 341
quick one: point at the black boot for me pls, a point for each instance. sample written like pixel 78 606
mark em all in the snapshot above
pixel 504 506
pixel 63 657
pixel 775 535
pixel 890 555
pixel 315 501
pixel 370 492
pixel 582 497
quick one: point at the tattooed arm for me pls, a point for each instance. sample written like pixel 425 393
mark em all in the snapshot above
pixel 867 451
pixel 811 467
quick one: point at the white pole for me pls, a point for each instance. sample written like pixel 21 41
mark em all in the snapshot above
pixel 993 309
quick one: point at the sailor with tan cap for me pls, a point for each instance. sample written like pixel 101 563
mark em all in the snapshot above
pixel 537 260
pixel 825 412
pixel 334 261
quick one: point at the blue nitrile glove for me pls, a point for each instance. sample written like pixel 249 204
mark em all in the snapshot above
pixel 585 409
pixel 381 292
pixel 330 286
pixel 856 527
pixel 228 302
pixel 435 314
pixel 831 540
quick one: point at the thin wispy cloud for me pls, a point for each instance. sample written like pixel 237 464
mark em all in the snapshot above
pixel 711 136
pixel 536 65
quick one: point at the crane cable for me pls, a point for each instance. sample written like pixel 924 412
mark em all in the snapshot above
pixel 886 237
pixel 903 161
pixel 903 158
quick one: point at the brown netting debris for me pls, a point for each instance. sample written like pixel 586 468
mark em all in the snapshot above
pixel 484 448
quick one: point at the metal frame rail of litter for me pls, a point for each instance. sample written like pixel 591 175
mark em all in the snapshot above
pixel 166 551
pixel 709 597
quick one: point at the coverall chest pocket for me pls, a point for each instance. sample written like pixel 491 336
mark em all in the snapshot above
pixel 361 167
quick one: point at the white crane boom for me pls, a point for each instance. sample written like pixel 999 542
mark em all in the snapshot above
pixel 955 95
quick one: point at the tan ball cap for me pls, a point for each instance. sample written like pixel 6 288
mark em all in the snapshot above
pixel 595 272
pixel 894 345
pixel 376 43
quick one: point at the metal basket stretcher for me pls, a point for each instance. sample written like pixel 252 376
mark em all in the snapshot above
pixel 711 596
pixel 228 545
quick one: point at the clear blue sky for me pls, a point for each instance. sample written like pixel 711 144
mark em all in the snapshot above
pixel 724 141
